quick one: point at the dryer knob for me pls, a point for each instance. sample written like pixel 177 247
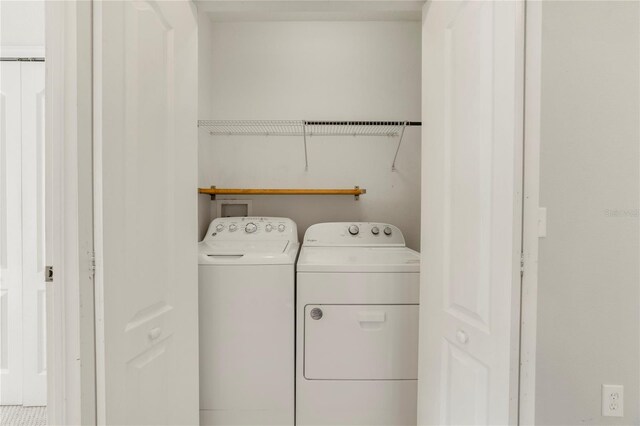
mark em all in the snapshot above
pixel 269 228
pixel 375 230
pixel 250 228
pixel 281 227
pixel 353 229
pixel 220 227
pixel 233 227
pixel 387 230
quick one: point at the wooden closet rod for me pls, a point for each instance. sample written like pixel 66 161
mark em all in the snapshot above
pixel 213 191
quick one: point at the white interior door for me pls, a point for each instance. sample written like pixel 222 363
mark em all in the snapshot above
pixel 145 168
pixel 471 213
pixel 34 323
pixel 10 235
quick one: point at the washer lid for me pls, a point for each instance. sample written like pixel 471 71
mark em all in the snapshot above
pixel 243 247
pixel 358 259
pixel 247 252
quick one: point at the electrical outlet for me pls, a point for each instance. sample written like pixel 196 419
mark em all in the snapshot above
pixel 613 400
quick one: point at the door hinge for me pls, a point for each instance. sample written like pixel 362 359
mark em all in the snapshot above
pixel 92 262
pixel 48 274
pixel 521 264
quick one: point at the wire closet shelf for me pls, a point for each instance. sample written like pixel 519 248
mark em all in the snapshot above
pixel 302 128
pixel 307 128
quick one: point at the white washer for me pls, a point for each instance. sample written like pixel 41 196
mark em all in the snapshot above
pixel 357 326
pixel 246 311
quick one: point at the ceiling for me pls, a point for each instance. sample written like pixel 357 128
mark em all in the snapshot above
pixel 311 10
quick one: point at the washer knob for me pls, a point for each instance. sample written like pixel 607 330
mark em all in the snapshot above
pixel 281 227
pixel 220 227
pixel 250 228
pixel 353 229
pixel 387 230
pixel 233 227
pixel 268 228
pixel 375 230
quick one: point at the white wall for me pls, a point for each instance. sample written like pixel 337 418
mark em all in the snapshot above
pixel 588 300
pixel 319 71
pixel 22 25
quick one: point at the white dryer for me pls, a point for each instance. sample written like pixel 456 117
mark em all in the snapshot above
pixel 247 311
pixel 357 326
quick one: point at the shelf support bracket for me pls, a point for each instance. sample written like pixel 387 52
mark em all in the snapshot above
pixel 213 196
pixel 356 197
pixel 395 157
pixel 304 137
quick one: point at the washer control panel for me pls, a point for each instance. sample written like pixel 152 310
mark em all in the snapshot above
pixel 258 228
pixel 354 234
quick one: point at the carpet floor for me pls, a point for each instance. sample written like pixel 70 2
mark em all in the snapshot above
pixel 18 415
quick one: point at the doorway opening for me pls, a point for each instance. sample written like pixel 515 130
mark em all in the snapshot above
pixel 23 323
pixel 23 355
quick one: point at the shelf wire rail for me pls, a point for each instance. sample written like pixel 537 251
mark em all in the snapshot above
pixel 308 128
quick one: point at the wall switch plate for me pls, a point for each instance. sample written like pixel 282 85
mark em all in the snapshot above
pixel 613 400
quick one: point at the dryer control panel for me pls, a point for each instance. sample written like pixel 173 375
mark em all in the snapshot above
pixel 354 234
pixel 252 228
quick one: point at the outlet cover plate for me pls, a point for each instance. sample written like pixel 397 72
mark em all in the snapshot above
pixel 613 400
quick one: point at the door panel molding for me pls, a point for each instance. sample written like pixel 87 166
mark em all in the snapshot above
pixel 33 250
pixel 473 59
pixel 145 169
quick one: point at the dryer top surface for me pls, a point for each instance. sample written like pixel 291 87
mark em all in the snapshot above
pixel 358 259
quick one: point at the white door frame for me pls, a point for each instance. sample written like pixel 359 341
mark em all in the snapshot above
pixel 530 233
pixel 69 227
pixel 70 306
